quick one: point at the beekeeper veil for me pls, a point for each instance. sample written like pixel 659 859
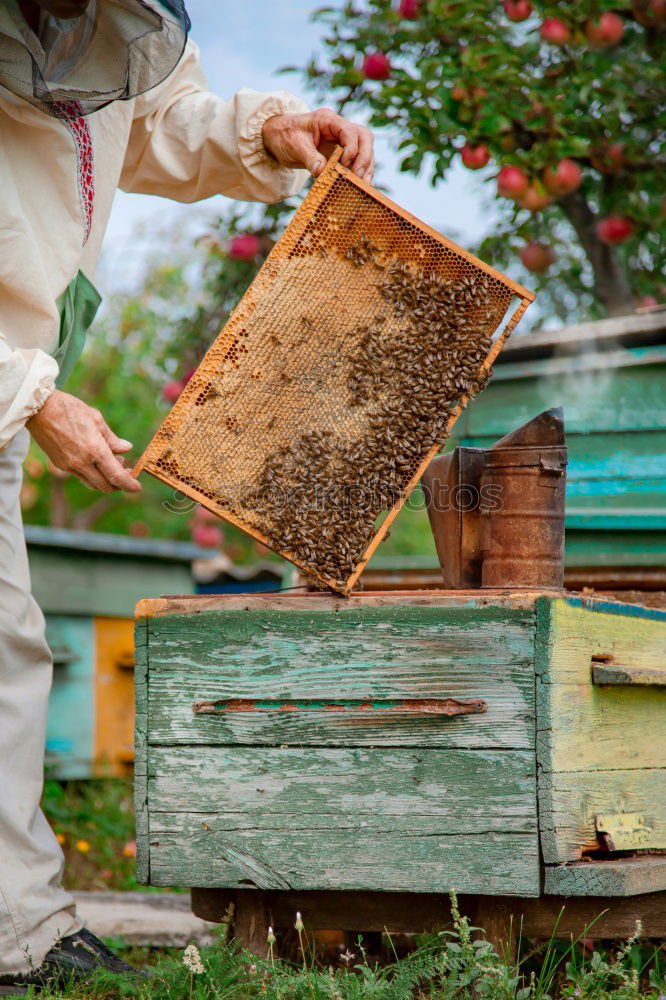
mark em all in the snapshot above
pixel 109 50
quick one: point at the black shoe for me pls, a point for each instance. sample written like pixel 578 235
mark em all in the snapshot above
pixel 73 958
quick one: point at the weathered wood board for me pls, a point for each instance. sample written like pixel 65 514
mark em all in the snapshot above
pixel 69 748
pixel 141 752
pixel 620 877
pixel 299 658
pixel 600 749
pixel 114 697
pixel 570 801
pixel 395 857
pixel 300 818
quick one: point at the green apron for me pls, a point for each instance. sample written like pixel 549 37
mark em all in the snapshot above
pixel 78 307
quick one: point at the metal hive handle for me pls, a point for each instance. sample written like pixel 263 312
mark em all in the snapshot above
pixel 405 706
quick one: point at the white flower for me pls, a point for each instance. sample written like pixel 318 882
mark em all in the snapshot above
pixel 299 923
pixel 192 959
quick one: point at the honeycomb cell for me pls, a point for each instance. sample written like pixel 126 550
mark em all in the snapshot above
pixel 336 379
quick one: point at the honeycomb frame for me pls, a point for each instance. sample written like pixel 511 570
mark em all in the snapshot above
pixel 325 260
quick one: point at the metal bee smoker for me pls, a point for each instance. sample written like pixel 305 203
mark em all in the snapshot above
pixel 497 514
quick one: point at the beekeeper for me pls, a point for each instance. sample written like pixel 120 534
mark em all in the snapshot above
pixel 94 95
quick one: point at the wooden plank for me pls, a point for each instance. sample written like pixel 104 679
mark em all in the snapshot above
pixel 594 744
pixel 571 801
pixel 623 674
pixel 321 602
pixel 69 748
pixel 238 853
pixel 626 459
pixel 600 728
pixel 251 922
pixel 282 818
pixel 632 400
pixel 585 338
pixel 114 688
pixel 601 364
pixel 405 912
pixel 616 548
pixel 384 653
pixel 141 654
pixel 455 791
pixel 67 581
pixel 619 877
pixel 593 917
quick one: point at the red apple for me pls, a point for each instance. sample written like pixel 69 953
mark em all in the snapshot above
pixel 563 178
pixel 607 158
pixel 245 246
pixel 204 516
pixel 646 302
pixel 615 229
pixel 554 31
pixel 517 10
pixel 207 536
pixel 605 31
pixel 537 257
pixel 171 391
pixel 409 9
pixel 139 529
pixel 511 182
pixel 376 66
pixel 536 198
pixel 650 13
pixel 475 157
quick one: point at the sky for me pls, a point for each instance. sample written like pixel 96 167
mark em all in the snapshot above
pixel 243 43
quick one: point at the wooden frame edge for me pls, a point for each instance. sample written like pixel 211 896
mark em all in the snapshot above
pixel 292 233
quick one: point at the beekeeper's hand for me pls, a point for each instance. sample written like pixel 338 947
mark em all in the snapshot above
pixel 77 439
pixel 306 141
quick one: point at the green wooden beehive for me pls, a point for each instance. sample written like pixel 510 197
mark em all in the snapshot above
pixel 486 741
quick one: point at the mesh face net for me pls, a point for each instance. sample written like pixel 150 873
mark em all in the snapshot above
pixel 337 378
pixel 114 50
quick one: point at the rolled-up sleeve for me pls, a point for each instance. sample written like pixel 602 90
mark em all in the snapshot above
pixel 27 379
pixel 186 143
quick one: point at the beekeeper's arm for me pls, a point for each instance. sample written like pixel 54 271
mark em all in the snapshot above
pixel 186 143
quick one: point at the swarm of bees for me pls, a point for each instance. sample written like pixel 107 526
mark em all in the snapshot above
pixel 319 497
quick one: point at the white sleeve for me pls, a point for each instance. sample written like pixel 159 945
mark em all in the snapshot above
pixel 27 379
pixel 186 143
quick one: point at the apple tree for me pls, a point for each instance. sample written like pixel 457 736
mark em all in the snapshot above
pixel 562 104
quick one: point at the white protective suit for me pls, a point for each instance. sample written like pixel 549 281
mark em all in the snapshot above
pixel 57 182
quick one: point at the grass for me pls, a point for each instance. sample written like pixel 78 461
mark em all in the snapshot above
pixel 451 965
pixel 94 822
